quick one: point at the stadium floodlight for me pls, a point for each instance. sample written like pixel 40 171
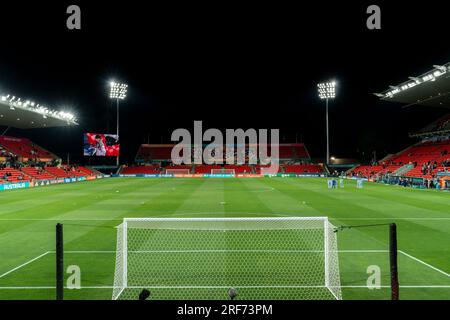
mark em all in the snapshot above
pixel 327 90
pixel 118 91
pixel 17 102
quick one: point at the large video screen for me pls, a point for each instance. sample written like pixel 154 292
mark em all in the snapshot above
pixel 101 145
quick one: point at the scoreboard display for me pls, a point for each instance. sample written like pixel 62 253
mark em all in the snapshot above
pixel 101 145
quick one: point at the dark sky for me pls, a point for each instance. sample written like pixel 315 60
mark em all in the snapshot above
pixel 252 66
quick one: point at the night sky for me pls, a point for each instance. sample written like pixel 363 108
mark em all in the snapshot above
pixel 232 66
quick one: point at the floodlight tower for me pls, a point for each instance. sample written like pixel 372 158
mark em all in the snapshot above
pixel 327 90
pixel 118 91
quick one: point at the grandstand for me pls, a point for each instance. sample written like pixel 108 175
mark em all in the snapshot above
pixel 22 160
pixel 429 158
pixel 156 158
pixel 422 160
pixel 25 149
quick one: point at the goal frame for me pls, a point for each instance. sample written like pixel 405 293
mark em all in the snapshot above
pixel 327 226
pixel 178 171
pixel 223 171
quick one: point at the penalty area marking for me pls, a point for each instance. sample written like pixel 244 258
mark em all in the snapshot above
pixel 24 264
pixel 178 251
pixel 424 263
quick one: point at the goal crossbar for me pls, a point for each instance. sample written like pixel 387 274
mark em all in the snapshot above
pixel 178 171
pixel 223 171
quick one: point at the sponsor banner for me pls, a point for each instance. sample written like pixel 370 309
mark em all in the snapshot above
pixel 298 175
pixel 189 175
pixel 283 175
pixel 41 183
pixel 310 175
pixel 218 175
pixel 170 175
pixel 249 176
pixel 12 186
pixel 356 178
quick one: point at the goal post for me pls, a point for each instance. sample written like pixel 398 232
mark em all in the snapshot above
pixel 178 171
pixel 223 171
pixel 202 258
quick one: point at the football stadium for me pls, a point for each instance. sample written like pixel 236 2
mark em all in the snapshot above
pixel 116 203
pixel 196 230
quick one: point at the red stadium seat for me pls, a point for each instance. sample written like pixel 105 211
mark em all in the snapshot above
pixel 25 148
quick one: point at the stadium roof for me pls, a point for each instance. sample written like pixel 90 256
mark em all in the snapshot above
pixel 26 114
pixel 429 89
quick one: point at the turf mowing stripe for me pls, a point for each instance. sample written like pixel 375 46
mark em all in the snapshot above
pixel 24 264
pixel 224 287
pixel 181 213
pixel 218 251
pixel 424 263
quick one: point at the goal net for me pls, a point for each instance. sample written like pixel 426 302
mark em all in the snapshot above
pixel 202 258
pixel 177 171
pixel 222 171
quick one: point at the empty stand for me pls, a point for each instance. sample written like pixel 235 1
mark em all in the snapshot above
pixel 13 175
pixel 303 168
pixel 429 155
pixel 25 148
pixel 37 173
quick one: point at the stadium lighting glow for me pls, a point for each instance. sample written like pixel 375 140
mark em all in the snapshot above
pixel 431 75
pixel 327 90
pixel 118 90
pixel 14 102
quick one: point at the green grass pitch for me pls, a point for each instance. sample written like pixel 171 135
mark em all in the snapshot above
pixel 90 211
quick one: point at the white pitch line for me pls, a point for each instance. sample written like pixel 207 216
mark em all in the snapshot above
pixel 424 263
pixel 24 264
